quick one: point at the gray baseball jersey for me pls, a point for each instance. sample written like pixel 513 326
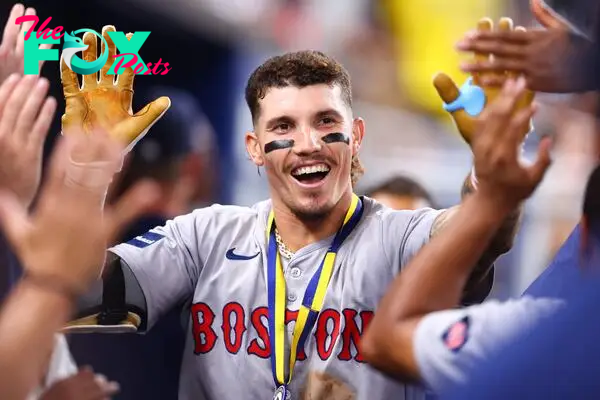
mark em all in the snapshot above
pixel 216 258
pixel 447 344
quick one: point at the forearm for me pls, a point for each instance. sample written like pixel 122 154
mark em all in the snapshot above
pixel 433 280
pixel 28 321
pixel 501 243
pixel 436 276
pixel 503 239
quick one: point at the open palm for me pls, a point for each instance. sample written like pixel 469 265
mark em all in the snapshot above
pixel 13 43
pixel 105 103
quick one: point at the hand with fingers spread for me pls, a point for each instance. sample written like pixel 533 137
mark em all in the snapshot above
pixel 85 385
pixel 468 102
pixel 62 244
pixel 25 117
pixel 551 60
pixel 501 175
pixel 106 101
pixel 13 43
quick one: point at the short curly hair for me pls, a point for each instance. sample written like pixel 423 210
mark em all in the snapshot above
pixel 300 69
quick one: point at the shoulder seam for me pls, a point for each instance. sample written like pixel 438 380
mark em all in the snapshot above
pixel 382 242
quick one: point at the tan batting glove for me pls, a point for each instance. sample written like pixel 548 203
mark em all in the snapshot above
pixel 467 103
pixel 105 101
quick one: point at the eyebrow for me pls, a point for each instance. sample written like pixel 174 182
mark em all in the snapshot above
pixel 329 112
pixel 284 119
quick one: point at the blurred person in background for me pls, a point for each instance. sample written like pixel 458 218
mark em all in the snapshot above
pixel 402 193
pixel 177 154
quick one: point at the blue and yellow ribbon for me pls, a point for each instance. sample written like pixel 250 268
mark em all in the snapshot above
pixel 313 297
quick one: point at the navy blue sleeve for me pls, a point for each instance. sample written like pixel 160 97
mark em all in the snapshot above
pixel 588 67
pixel 563 275
pixel 560 359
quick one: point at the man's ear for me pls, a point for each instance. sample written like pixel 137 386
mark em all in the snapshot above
pixel 358 132
pixel 253 149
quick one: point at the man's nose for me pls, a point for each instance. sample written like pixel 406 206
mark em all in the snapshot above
pixel 307 143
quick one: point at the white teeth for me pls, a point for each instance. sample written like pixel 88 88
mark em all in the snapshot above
pixel 310 170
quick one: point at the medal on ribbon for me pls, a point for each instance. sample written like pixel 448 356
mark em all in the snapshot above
pixel 311 304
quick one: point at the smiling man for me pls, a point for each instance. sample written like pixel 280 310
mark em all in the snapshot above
pixel 278 293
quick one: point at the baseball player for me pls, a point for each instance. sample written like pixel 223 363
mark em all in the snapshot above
pixel 279 293
pixel 417 333
pixel 402 193
pixel 559 358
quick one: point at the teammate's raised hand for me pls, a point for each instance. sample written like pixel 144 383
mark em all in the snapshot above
pixel 548 58
pixel 85 385
pixel 501 175
pixel 468 102
pixel 63 242
pixel 25 117
pixel 13 43
pixel 105 100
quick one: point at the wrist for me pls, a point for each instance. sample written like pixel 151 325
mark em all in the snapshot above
pixel 495 206
pixel 53 286
pixel 93 177
pixel 96 175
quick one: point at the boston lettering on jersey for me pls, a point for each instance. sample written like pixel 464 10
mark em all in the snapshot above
pixel 332 325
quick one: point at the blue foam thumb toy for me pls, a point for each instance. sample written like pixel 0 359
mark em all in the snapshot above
pixel 471 99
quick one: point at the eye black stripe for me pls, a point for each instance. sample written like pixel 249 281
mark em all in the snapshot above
pixel 336 137
pixel 278 145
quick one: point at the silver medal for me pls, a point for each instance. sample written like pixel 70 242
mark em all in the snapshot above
pixel 281 393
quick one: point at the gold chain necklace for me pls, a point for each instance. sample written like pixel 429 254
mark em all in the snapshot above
pixel 283 249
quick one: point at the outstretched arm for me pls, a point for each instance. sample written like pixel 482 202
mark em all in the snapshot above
pixel 481 276
pixel 61 247
pixel 31 314
pixel 466 105
pixel 435 278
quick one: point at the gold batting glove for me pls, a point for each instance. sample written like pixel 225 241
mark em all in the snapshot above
pixel 104 101
pixel 467 103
